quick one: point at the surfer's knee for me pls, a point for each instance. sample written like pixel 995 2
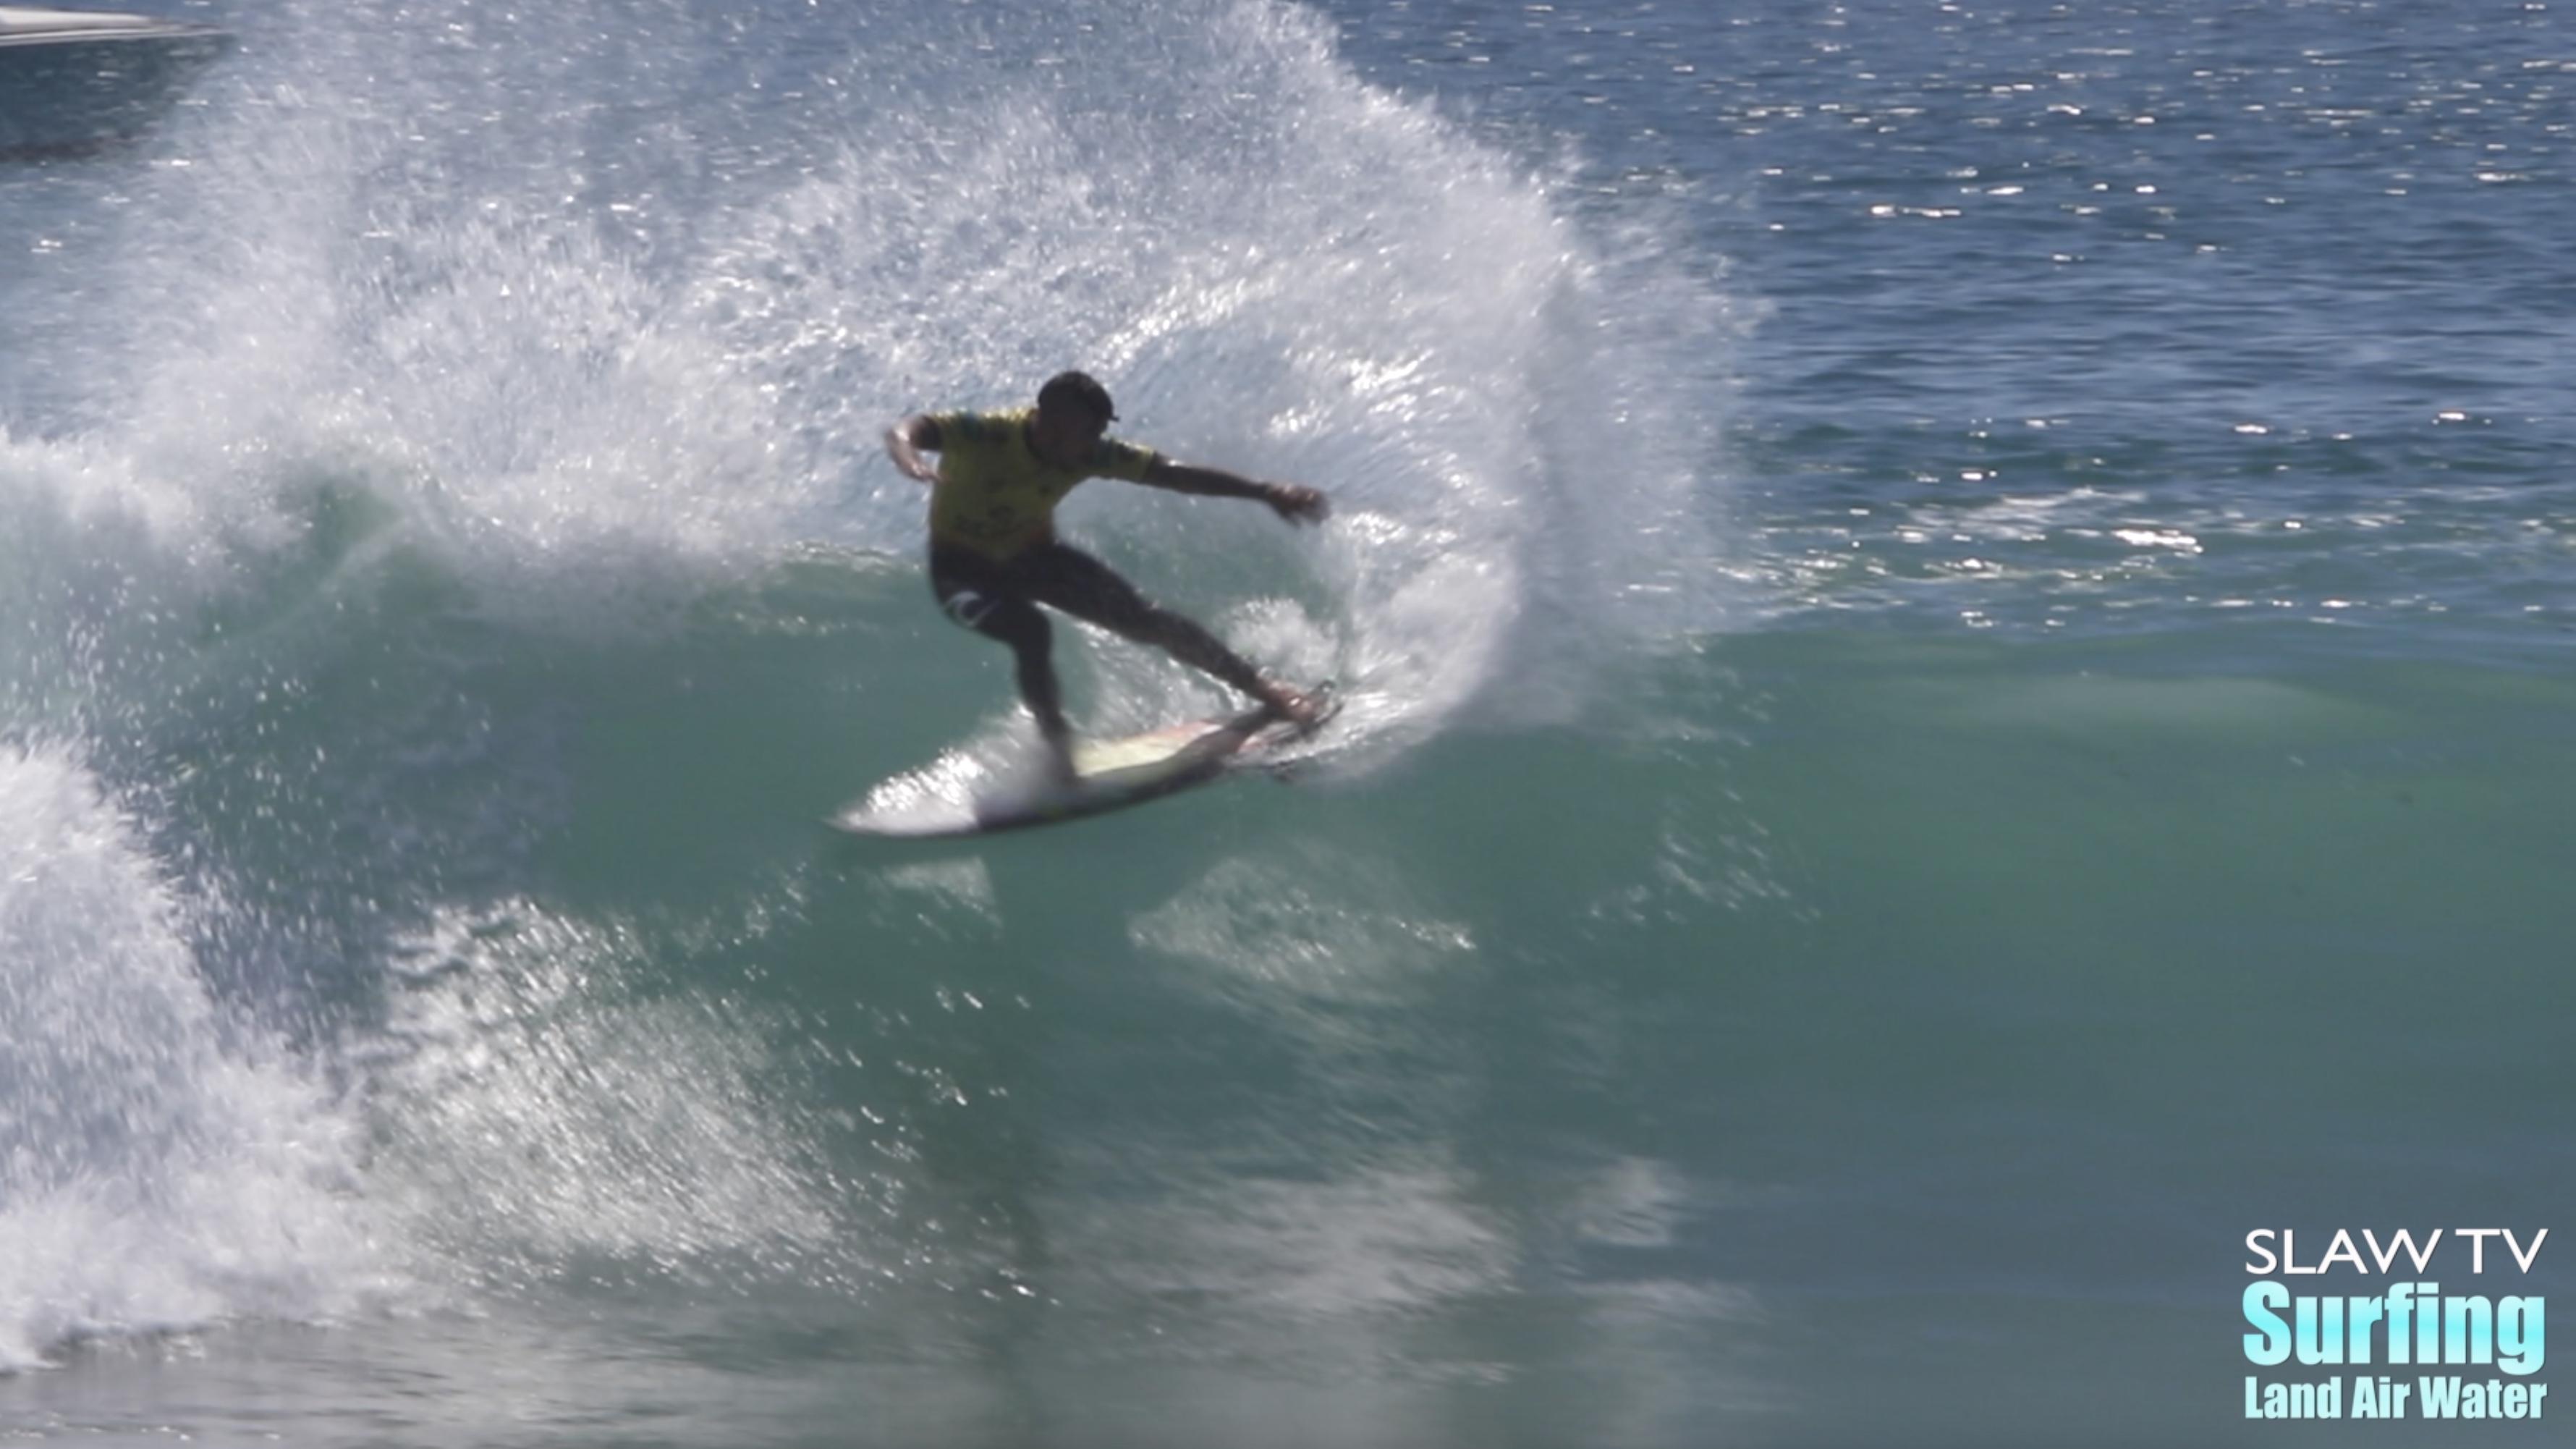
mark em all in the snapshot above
pixel 1012 620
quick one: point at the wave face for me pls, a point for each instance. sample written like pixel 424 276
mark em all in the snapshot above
pixel 452 565
pixel 1871 841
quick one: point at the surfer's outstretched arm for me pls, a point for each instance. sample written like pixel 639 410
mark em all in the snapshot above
pixel 904 443
pixel 1291 501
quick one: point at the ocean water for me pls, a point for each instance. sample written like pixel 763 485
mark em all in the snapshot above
pixel 1958 620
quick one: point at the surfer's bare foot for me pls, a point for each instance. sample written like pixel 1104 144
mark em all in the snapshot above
pixel 1298 707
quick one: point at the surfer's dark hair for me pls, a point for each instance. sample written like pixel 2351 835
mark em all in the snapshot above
pixel 1080 391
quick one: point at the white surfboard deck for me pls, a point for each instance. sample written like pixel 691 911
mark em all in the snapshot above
pixel 958 795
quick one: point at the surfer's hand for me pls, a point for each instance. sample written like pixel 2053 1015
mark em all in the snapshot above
pixel 905 450
pixel 1297 503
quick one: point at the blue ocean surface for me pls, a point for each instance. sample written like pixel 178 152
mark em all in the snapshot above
pixel 1957 621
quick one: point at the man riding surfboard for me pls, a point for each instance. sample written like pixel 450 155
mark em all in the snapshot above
pixel 994 555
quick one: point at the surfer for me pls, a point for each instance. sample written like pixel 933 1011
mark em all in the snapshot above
pixel 994 556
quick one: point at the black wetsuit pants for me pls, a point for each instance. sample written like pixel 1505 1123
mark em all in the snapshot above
pixel 999 599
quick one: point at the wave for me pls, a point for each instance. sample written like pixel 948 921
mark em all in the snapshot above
pixel 455 562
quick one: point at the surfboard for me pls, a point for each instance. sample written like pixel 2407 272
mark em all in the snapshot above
pixel 957 795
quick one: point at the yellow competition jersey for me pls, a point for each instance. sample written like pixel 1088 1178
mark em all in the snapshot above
pixel 995 495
